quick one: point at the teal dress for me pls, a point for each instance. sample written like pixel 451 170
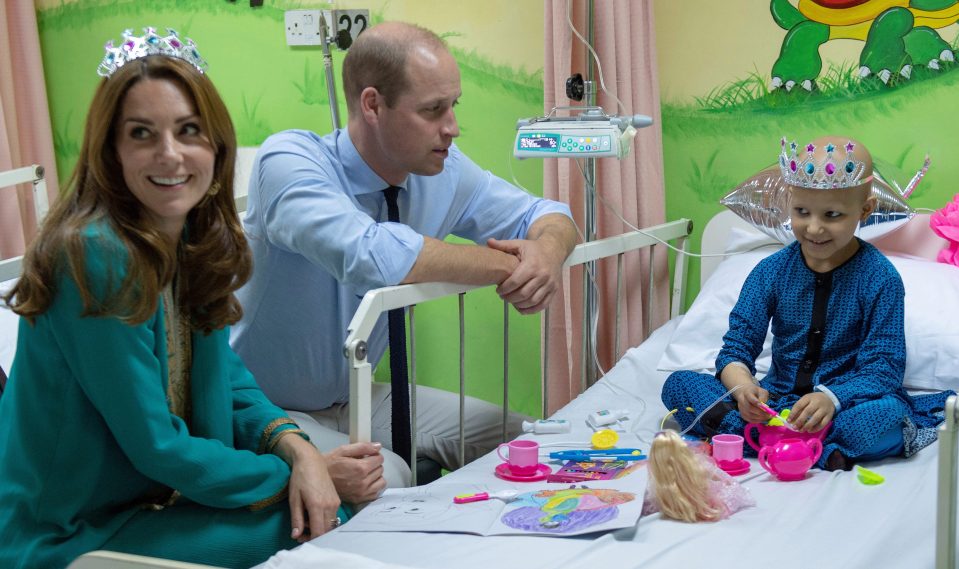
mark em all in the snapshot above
pixel 91 455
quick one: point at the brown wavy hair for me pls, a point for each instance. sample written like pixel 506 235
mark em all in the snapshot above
pixel 212 256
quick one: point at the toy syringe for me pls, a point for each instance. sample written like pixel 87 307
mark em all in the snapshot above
pixel 784 420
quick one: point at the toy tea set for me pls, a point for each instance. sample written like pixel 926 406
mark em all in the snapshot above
pixel 784 452
pixel 602 462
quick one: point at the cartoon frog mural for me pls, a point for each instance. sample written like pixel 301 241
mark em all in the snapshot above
pixel 898 35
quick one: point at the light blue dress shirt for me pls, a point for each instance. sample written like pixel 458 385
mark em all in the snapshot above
pixel 316 224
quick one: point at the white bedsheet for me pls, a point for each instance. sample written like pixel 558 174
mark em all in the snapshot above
pixel 829 520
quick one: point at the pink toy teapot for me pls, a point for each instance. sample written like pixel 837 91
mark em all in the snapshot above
pixel 790 459
pixel 769 435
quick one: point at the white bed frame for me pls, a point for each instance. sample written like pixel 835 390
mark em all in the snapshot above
pixel 379 301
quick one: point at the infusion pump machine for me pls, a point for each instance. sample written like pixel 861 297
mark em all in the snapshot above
pixel 578 137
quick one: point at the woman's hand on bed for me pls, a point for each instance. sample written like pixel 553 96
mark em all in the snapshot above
pixel 313 499
pixel 812 412
pixel 357 471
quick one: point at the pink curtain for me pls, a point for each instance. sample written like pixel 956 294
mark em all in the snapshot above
pixel 625 42
pixel 25 134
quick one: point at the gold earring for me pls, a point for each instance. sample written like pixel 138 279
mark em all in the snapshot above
pixel 214 189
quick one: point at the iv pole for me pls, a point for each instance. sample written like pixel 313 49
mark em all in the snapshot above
pixel 325 42
pixel 588 371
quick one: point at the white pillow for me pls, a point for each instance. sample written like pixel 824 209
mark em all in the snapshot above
pixel 699 336
pixel 8 329
pixel 931 323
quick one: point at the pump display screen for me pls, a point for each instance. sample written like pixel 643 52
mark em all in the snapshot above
pixel 539 142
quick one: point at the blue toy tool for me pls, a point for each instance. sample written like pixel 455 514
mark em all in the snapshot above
pixel 607 455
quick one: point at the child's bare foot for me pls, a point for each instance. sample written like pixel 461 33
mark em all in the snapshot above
pixel 837 461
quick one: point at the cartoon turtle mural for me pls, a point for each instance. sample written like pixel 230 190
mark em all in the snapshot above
pixel 898 35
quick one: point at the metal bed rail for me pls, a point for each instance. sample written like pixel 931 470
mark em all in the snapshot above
pixel 10 268
pixel 946 507
pixel 379 301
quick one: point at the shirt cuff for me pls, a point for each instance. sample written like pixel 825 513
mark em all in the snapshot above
pixel 832 396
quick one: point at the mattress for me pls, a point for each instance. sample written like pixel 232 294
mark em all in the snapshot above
pixel 830 519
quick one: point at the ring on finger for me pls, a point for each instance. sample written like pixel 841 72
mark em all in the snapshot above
pixel 335 522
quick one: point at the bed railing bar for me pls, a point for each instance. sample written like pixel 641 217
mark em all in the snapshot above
pixel 33 174
pixel 41 204
pixel 619 303
pixel 240 202
pixel 462 301
pixel 10 268
pixel 27 174
pixel 361 386
pixel 412 388
pixel 627 242
pixel 649 297
pixel 505 370
pixel 946 508
pixel 585 347
pixel 679 274
pixel 543 356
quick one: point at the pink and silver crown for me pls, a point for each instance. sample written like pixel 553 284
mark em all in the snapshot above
pixel 829 173
pixel 150 43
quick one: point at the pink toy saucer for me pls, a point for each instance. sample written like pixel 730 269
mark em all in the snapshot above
pixel 542 471
pixel 734 467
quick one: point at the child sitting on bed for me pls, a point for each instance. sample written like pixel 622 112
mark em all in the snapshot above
pixel 836 305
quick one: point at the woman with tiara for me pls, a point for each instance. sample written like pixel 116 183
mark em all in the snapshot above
pixel 127 423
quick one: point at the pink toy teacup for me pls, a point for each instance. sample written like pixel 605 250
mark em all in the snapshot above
pixel 522 456
pixel 790 459
pixel 770 435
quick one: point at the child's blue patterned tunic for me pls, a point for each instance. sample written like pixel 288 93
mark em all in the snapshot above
pixel 840 331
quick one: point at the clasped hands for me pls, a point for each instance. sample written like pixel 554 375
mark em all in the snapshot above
pixel 536 276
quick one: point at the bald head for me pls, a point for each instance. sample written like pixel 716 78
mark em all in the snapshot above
pixel 379 56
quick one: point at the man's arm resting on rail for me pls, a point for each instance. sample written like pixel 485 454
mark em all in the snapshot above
pixel 440 261
pixel 541 256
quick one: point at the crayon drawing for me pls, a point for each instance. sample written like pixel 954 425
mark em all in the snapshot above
pixel 564 511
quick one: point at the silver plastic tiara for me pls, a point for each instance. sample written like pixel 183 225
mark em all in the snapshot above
pixel 829 173
pixel 150 43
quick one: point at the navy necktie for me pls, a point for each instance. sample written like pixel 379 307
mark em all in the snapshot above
pixel 399 375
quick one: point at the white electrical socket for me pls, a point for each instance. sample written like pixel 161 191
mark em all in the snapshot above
pixel 302 27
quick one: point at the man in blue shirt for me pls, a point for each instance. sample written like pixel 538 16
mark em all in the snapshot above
pixel 317 225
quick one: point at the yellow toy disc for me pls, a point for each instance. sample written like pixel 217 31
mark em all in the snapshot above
pixel 604 439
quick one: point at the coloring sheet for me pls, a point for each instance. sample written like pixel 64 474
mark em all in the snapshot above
pixel 551 510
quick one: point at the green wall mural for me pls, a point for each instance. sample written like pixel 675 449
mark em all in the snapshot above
pixel 898 37
pixel 269 87
pixel 717 137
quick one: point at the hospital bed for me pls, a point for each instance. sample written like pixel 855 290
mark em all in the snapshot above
pixel 828 520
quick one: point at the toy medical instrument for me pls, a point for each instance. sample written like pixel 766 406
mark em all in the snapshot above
pixel 606 417
pixel 783 420
pixel 504 495
pixel 604 439
pixel 546 426
pixel 607 455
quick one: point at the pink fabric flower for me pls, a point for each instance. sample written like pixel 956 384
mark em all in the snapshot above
pixel 945 224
